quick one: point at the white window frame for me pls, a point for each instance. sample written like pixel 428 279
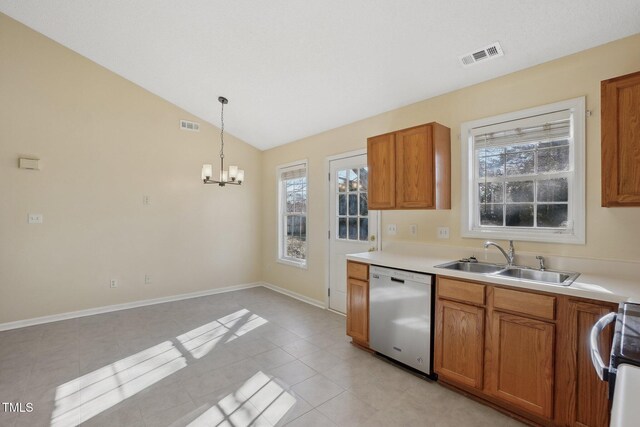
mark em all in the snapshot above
pixel 281 228
pixel 576 175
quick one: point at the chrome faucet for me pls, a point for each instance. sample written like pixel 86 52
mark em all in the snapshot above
pixel 508 255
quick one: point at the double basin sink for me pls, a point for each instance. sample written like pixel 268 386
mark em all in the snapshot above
pixel 549 277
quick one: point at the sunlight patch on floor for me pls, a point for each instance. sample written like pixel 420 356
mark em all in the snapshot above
pixel 87 396
pixel 259 397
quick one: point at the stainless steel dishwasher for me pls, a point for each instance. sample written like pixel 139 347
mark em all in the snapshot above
pixel 400 316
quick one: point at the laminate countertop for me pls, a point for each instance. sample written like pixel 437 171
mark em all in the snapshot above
pixel 593 285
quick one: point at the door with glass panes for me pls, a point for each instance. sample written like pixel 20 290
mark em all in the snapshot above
pixel 353 228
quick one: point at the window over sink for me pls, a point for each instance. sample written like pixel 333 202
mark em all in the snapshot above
pixel 523 174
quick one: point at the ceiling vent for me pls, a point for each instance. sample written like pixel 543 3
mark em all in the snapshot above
pixel 187 125
pixel 492 51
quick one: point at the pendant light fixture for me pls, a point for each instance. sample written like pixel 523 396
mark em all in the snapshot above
pixel 234 175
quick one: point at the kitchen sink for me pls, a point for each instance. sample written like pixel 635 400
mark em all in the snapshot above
pixel 552 277
pixel 473 267
pixel 548 277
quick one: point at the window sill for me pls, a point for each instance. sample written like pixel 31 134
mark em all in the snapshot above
pixel 544 237
pixel 297 264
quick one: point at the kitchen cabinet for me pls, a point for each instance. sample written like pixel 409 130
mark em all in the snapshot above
pixel 521 369
pixel 459 346
pixel 583 396
pixel 620 127
pixel 524 351
pixel 358 302
pixel 410 168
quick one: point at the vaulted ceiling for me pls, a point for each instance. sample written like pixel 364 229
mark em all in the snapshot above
pixel 296 68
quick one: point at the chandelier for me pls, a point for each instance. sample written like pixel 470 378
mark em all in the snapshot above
pixel 234 175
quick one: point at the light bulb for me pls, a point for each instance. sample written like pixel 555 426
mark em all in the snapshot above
pixel 207 171
pixel 233 172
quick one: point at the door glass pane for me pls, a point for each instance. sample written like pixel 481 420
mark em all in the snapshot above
pixel 342 180
pixel 342 228
pixel 353 204
pixel 364 207
pixel 364 229
pixel 353 180
pixel 342 204
pixel 353 228
pixel 364 179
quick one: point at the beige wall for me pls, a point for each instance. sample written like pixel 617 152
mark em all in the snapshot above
pixel 104 143
pixel 611 233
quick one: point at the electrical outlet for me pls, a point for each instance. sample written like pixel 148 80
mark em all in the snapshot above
pixel 443 232
pixel 392 229
pixel 413 231
pixel 35 218
pixel 113 283
pixel 146 200
pixel 147 279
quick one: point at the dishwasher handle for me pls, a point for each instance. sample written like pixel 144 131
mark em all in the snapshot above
pixel 596 359
pixel 394 279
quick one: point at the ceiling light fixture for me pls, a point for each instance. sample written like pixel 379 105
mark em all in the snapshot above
pixel 234 175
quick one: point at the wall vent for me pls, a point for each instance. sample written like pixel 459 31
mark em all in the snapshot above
pixel 191 126
pixel 492 51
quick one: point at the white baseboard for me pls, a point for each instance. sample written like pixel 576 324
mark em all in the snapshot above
pixel 295 295
pixel 117 307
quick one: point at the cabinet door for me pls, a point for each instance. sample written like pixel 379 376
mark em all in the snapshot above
pixel 621 141
pixel 585 397
pixel 521 370
pixel 459 345
pixel 415 186
pixel 358 310
pixel 381 160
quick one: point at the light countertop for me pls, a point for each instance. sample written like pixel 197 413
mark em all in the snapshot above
pixel 599 286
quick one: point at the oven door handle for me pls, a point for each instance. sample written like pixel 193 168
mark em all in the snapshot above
pixel 601 369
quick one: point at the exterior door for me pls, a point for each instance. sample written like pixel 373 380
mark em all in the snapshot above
pixel 352 227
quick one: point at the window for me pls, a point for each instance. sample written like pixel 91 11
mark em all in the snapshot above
pixel 292 217
pixel 353 212
pixel 523 175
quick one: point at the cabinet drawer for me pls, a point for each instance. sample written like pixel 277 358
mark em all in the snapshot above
pixel 358 270
pixel 461 291
pixel 524 302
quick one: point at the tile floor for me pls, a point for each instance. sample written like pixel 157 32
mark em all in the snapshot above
pixel 250 357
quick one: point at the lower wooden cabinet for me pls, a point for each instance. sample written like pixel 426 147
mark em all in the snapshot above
pixel 459 348
pixel 583 400
pixel 527 352
pixel 521 366
pixel 358 302
pixel 358 310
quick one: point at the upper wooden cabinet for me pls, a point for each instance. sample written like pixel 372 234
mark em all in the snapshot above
pixel 410 168
pixel 621 141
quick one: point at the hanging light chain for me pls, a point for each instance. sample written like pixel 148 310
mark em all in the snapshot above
pixel 222 131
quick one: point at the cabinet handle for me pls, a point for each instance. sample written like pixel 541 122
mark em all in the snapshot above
pixel 596 359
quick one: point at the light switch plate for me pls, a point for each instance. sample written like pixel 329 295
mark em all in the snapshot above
pixel 35 218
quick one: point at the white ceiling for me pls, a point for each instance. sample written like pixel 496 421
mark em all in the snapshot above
pixel 296 68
